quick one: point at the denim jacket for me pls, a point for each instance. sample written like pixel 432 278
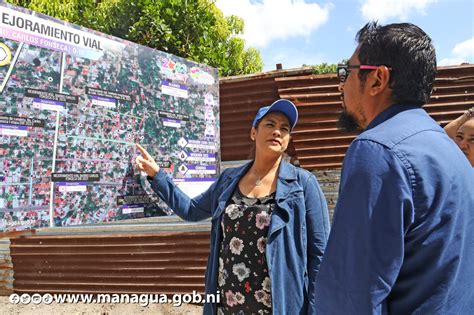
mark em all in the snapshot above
pixel 297 236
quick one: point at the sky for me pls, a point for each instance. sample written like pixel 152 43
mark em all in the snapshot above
pixel 297 32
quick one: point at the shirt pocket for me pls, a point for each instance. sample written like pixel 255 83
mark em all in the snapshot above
pixel 295 195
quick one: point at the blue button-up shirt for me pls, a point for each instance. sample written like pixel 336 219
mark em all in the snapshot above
pixel 402 239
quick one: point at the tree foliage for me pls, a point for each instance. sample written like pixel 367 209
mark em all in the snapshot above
pixel 324 68
pixel 192 29
pixel 68 10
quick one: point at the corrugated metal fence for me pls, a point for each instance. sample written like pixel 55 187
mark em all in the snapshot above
pixel 6 267
pixel 165 263
pixel 164 256
pixel 317 142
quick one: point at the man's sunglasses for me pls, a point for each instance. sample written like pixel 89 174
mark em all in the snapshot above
pixel 343 70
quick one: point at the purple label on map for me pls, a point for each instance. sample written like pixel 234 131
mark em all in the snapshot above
pixel 199 142
pixel 176 121
pixel 132 209
pixel 203 155
pixel 133 206
pixel 101 98
pixel 13 127
pixel 202 167
pixel 175 85
pixel 71 183
pixel 49 102
pixel 183 180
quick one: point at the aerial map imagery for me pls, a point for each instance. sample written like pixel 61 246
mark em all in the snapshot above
pixel 73 104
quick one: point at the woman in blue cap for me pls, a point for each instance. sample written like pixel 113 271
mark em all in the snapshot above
pixel 269 223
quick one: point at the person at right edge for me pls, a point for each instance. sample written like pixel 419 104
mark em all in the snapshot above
pixel 461 130
pixel 402 240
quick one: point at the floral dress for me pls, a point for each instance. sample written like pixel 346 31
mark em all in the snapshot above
pixel 244 281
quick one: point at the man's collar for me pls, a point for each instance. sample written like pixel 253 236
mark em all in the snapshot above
pixel 389 113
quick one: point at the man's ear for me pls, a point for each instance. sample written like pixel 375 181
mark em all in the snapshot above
pixel 379 80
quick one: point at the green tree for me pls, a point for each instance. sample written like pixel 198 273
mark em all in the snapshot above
pixel 73 11
pixel 324 68
pixel 192 29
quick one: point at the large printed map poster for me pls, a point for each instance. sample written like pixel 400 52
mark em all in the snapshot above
pixel 73 103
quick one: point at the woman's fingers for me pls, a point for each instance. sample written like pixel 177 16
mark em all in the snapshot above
pixel 146 163
pixel 144 152
pixel 149 167
pixel 141 162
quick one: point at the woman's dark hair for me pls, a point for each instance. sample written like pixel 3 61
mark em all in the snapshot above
pixel 408 50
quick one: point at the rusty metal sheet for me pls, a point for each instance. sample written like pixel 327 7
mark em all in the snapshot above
pixel 162 262
pixel 317 143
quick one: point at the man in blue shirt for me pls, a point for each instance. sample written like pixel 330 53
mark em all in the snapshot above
pixel 402 239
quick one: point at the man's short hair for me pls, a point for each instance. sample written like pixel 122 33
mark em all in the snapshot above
pixel 408 50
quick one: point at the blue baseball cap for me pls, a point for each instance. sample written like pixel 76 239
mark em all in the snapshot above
pixel 283 106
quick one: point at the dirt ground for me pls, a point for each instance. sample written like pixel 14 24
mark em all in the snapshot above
pixel 7 308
